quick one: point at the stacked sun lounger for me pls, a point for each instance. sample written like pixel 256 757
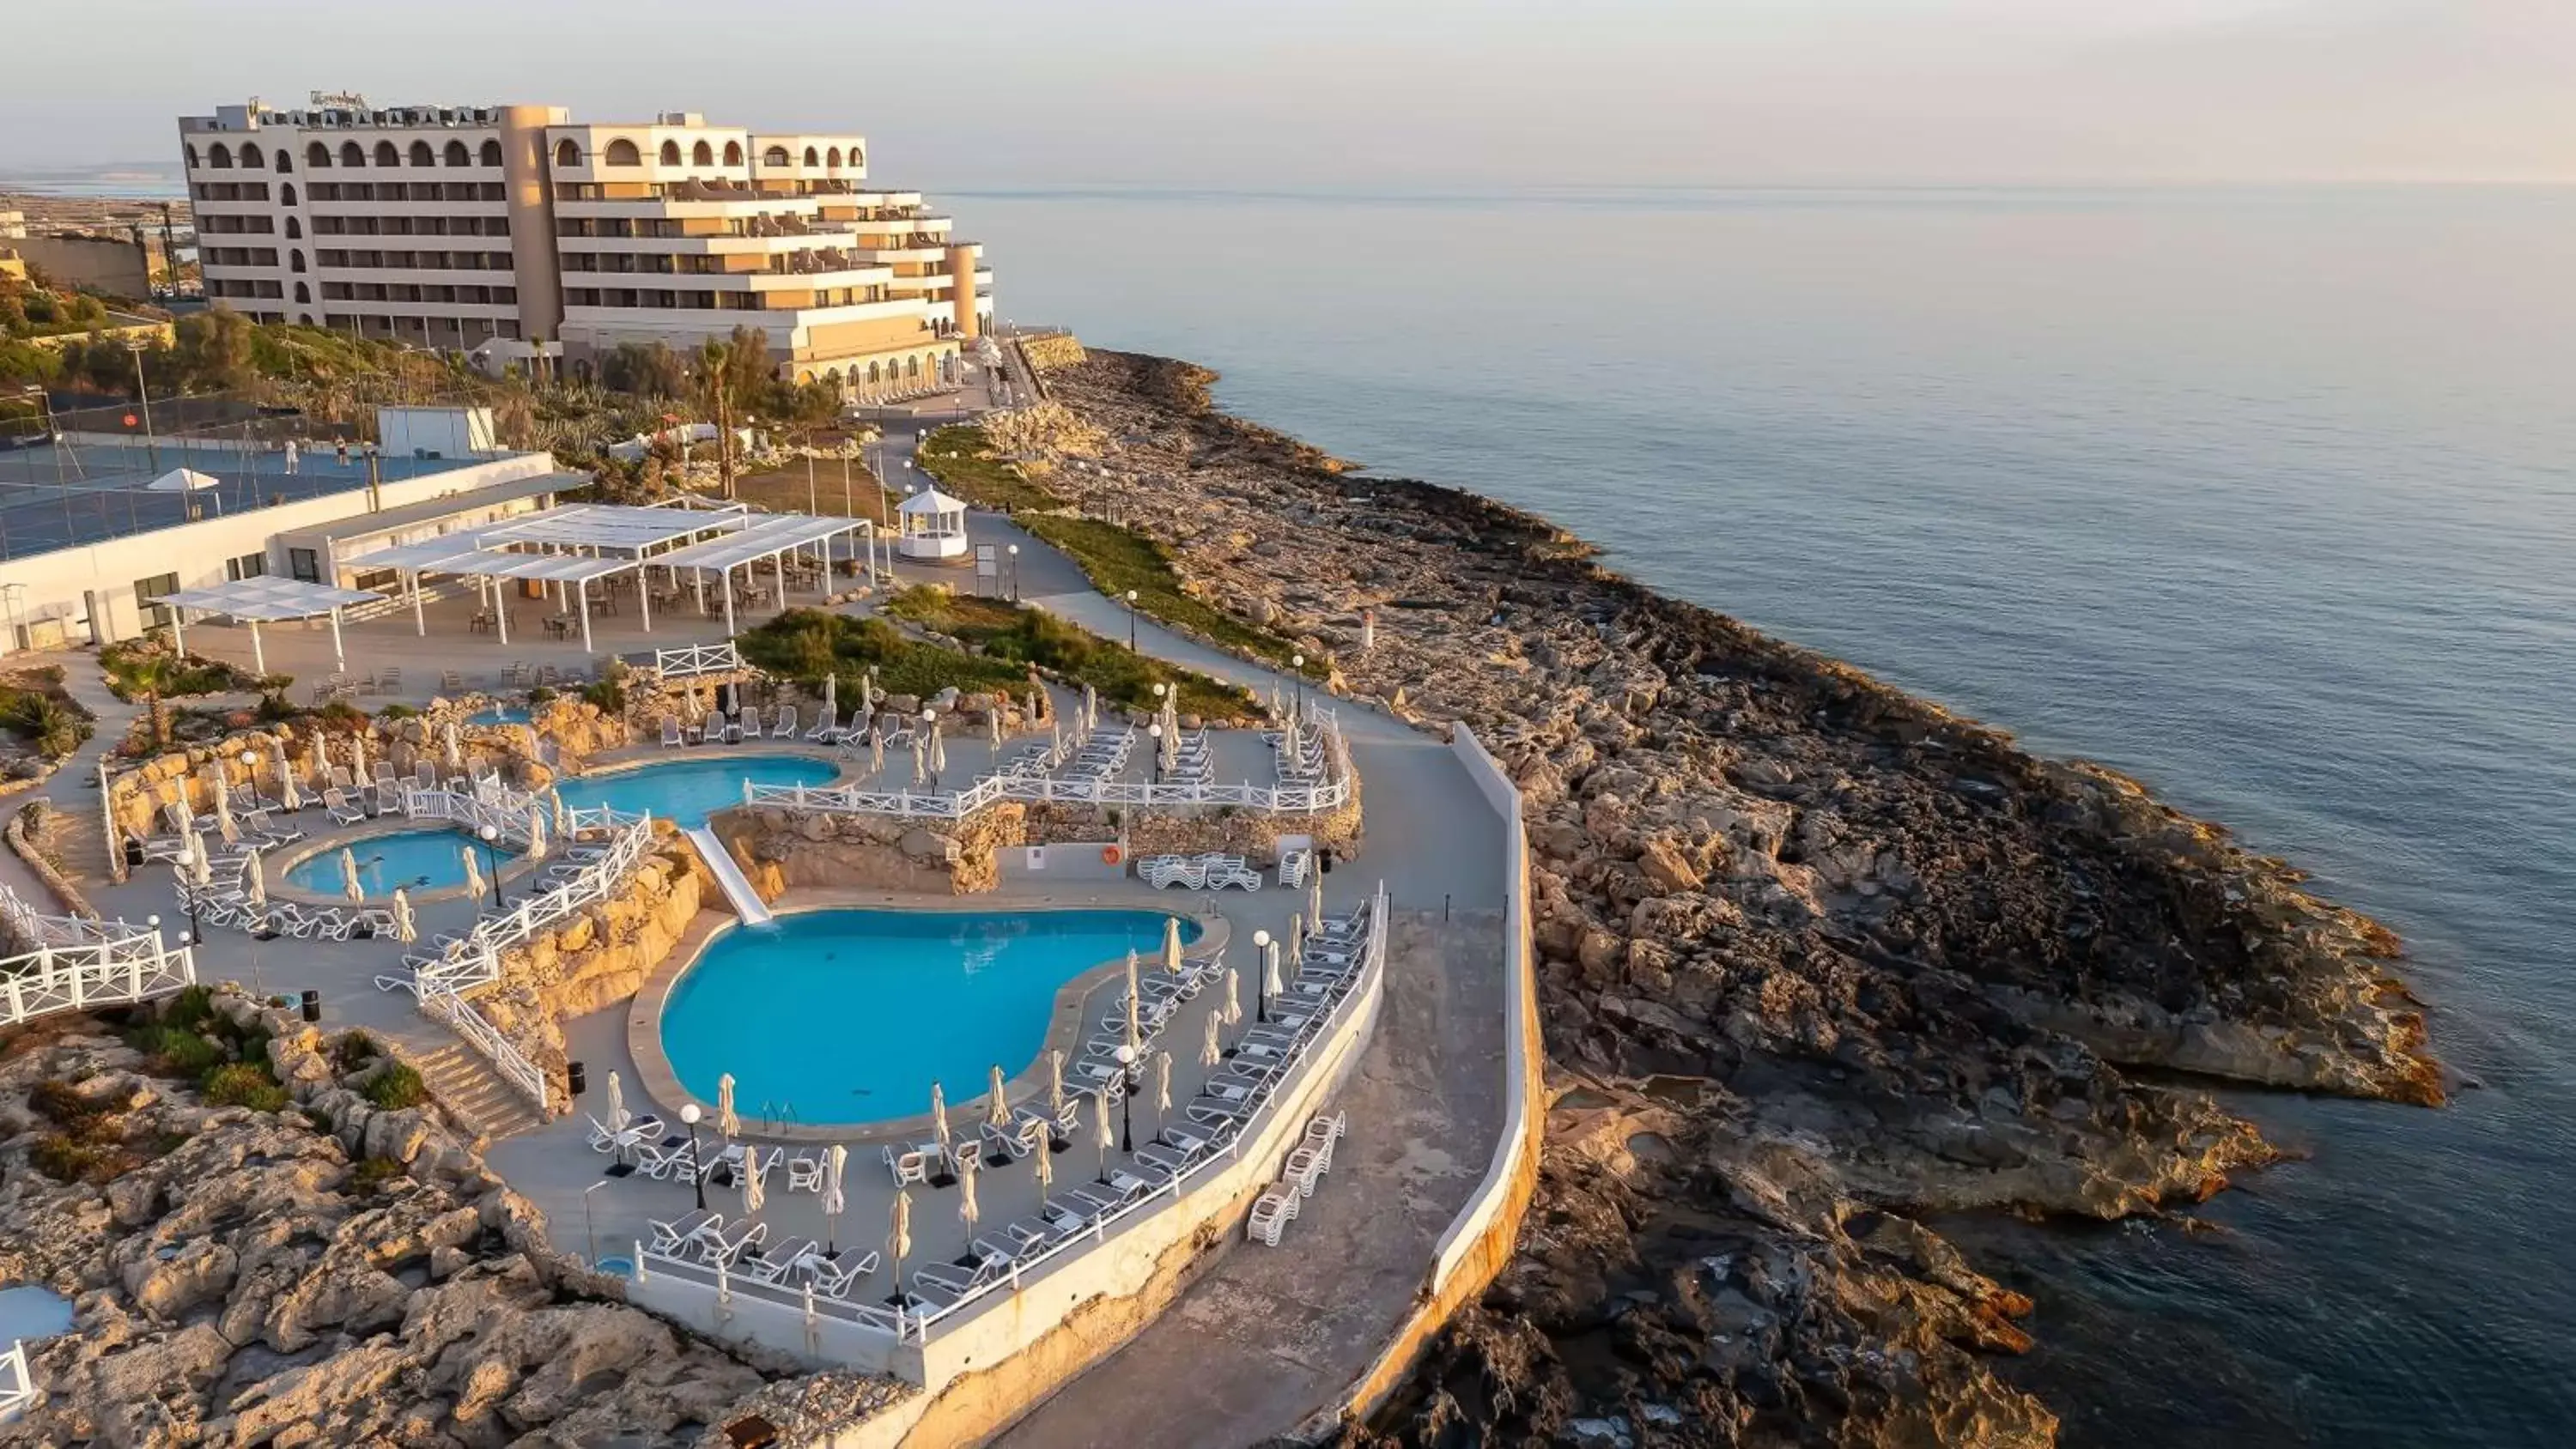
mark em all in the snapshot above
pixel 1214 871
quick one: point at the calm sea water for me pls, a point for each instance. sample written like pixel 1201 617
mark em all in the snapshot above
pixel 2264 497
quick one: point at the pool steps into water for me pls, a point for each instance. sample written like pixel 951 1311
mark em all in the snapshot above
pixel 745 901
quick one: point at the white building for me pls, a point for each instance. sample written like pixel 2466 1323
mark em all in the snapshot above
pixel 512 230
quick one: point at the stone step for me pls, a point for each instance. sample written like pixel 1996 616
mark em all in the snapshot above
pixel 473 1093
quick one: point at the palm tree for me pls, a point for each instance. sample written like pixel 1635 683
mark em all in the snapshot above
pixel 151 675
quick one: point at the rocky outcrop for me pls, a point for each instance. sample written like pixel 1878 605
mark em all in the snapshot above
pixel 779 849
pixel 597 956
pixel 330 1274
pixel 1895 963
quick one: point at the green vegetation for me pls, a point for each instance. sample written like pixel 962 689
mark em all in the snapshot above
pixel 351 1050
pixel 1117 560
pixel 175 1051
pixel 244 1084
pixel 229 1062
pixel 374 1174
pixel 1032 636
pixel 807 644
pixel 35 708
pixel 608 694
pixel 955 457
pixel 88 1141
pixel 147 669
pixel 395 1087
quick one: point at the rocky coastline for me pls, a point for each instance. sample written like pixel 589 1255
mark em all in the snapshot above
pixel 1818 958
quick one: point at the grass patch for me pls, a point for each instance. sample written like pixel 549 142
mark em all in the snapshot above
pixel 395 1087
pixel 174 1051
pixel 1117 560
pixel 1031 636
pixel 954 456
pixel 244 1084
pixel 786 491
pixel 807 644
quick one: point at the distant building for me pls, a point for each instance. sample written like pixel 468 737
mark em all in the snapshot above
pixel 111 266
pixel 509 231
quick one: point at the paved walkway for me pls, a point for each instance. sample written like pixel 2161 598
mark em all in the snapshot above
pixel 1268 1336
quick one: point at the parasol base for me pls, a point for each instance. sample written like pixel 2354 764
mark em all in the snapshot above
pixel 619 1169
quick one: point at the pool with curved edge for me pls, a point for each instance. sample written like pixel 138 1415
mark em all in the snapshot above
pixel 686 792
pixel 846 1017
pixel 499 714
pixel 417 860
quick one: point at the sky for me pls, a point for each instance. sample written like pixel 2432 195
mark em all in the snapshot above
pixel 1364 94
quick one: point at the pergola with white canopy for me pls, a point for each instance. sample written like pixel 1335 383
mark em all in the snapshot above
pixel 934 526
pixel 263 599
pixel 576 545
pixel 770 536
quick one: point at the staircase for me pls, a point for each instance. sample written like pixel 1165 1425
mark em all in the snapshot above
pixel 467 1088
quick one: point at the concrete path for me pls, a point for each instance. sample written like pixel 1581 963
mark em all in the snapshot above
pixel 73 789
pixel 1267 1336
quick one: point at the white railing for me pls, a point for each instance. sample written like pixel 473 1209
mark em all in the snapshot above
pixel 921 1324
pixel 17 1383
pixel 697 659
pixel 524 1076
pixel 438 983
pixel 1332 794
pixel 108 971
pixel 1349 996
pixel 503 810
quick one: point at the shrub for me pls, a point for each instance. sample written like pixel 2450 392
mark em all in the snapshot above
pixel 351 1050
pixel 396 711
pixel 243 1084
pixel 174 1051
pixel 64 1160
pixel 192 1007
pixel 61 1104
pixel 395 1087
pixel 608 694
pixel 374 1174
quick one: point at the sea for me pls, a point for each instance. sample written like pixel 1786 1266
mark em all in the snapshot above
pixel 2266 497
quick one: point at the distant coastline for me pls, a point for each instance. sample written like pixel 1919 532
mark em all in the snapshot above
pixel 106 183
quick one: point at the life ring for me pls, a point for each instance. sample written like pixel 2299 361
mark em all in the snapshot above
pixel 1111 855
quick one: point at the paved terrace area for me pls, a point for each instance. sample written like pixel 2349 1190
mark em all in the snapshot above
pixel 1262 1337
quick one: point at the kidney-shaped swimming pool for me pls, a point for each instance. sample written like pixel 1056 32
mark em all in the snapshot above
pixel 848 1016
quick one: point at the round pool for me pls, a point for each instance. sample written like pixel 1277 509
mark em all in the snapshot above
pixel 499 714
pixel 686 792
pixel 848 1016
pixel 419 860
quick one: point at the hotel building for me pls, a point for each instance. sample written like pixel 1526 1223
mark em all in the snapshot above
pixel 511 231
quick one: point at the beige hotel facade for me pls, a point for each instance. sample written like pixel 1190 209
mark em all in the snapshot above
pixel 507 232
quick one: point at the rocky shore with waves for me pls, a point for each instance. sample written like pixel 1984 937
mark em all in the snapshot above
pixel 1818 958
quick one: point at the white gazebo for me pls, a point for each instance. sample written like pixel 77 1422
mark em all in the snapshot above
pixel 934 528
pixel 264 599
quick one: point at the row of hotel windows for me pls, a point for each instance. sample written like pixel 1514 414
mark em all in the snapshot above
pixel 411 191
pixel 354 191
pixel 221 156
pixel 414 292
pixel 219 224
pixel 709 301
pixel 262 289
pixel 622 152
pixel 435 261
pixel 834 229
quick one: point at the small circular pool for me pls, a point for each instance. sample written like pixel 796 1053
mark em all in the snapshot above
pixel 848 1016
pixel 686 792
pixel 419 860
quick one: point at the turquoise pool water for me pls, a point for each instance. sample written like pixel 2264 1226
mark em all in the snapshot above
pixel 686 792
pixel 849 1016
pixel 499 714
pixel 415 859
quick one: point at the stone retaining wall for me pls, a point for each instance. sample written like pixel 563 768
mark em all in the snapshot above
pixel 596 958
pixel 1481 1239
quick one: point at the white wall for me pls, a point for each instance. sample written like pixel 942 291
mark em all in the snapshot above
pixel 197 551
